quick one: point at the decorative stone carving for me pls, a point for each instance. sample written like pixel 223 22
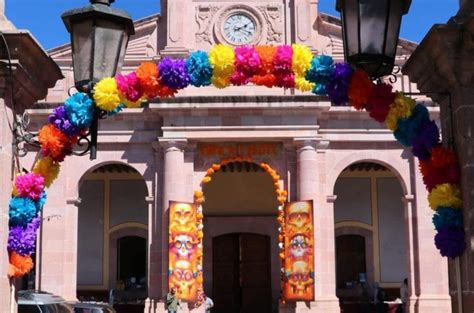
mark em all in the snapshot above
pixel 204 17
pixel 274 21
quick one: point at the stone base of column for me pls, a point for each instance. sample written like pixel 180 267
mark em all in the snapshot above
pixel 412 304
pixel 433 304
pixel 154 306
pixel 325 305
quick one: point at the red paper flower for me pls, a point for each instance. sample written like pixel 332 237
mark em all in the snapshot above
pixel 360 89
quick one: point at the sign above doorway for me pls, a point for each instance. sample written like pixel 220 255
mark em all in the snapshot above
pixel 260 150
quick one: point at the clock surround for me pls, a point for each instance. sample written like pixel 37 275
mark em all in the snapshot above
pixel 237 10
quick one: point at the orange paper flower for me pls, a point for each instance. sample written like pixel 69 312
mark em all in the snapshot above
pixel 19 265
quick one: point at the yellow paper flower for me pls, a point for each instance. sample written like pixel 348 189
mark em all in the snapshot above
pixel 445 195
pixel 402 107
pixel 222 59
pixel 47 168
pixel 302 84
pixel 206 180
pixel 301 61
pixel 106 94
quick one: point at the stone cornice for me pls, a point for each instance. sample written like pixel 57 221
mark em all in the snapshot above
pixel 444 60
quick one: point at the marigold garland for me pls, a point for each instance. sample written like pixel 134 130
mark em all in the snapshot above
pixel 271 66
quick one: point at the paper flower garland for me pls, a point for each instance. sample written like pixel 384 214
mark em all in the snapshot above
pixel 271 66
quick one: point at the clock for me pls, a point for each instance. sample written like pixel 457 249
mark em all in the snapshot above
pixel 239 29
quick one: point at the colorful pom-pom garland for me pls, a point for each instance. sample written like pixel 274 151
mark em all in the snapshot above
pixel 271 66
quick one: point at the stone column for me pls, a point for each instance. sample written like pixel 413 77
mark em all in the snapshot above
pixel 70 248
pixel 311 181
pixel 410 221
pixel 173 179
pixel 443 67
pixel 154 264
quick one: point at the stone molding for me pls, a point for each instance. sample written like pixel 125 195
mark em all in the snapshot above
pixel 331 198
pixel 74 201
pixel 173 144
pixel 445 59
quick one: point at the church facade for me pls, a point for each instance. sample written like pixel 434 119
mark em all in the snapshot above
pixel 106 223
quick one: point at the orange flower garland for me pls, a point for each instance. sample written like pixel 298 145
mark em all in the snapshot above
pixel 282 196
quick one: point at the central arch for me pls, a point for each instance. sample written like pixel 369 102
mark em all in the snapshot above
pixel 242 204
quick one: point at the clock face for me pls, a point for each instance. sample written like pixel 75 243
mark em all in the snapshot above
pixel 239 29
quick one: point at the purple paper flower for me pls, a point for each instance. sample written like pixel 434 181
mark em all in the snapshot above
pixel 60 119
pixel 425 140
pixel 339 84
pixel 450 241
pixel 173 73
pixel 22 240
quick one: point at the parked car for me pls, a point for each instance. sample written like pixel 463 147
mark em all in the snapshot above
pixel 32 301
pixel 91 307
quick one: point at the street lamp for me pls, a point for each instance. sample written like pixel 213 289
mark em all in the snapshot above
pixel 370 31
pixel 99 38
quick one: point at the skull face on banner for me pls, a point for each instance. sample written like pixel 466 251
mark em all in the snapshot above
pixel 298 284
pixel 183 256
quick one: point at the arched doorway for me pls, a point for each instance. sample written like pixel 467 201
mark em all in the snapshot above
pixel 370 230
pixel 112 227
pixel 241 265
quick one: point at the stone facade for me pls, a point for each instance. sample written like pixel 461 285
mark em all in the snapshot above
pixel 161 143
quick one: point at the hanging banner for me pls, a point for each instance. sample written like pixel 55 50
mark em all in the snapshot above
pixel 298 281
pixel 185 250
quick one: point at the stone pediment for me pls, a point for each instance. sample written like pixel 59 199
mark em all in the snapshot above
pixel 330 26
pixel 143 45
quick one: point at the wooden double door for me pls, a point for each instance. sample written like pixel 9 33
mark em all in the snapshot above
pixel 241 274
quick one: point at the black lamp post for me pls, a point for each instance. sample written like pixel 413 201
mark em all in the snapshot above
pixel 370 31
pixel 99 38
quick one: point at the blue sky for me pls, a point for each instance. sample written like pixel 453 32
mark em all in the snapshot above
pixel 43 17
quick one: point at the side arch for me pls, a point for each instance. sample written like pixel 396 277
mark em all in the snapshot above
pixel 401 171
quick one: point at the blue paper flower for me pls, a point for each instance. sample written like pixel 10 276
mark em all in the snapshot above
pixel 447 217
pixel 199 69
pixel 322 68
pixel 408 128
pixel 22 211
pixel 41 201
pixel 173 73
pixel 60 119
pixel 80 109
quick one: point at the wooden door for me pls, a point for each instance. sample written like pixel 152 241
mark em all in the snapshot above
pixel 255 273
pixel 241 274
pixel 350 258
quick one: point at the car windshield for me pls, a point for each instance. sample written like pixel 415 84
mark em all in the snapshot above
pixel 45 308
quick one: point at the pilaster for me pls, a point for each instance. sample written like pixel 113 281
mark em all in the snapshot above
pixel 410 221
pixel 69 276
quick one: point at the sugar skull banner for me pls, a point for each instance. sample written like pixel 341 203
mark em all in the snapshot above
pixel 298 282
pixel 185 250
